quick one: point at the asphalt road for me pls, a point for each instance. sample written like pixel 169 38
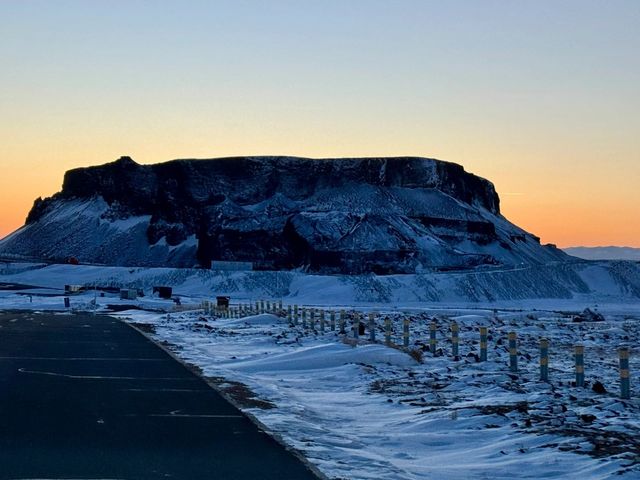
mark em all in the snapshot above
pixel 85 397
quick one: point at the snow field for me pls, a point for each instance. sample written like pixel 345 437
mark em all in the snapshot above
pixel 371 411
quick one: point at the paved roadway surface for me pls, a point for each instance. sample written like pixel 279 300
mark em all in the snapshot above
pixel 85 397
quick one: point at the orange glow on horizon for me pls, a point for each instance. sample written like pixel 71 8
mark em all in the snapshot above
pixel 565 218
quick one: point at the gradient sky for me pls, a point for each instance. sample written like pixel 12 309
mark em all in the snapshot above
pixel 541 97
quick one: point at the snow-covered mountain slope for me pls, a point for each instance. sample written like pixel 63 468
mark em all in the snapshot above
pixel 605 253
pixel 381 215
pixel 597 282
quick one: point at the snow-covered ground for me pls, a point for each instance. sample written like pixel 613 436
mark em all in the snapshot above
pixel 367 410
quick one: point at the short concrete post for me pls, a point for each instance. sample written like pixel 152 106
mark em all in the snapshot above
pixel 432 338
pixel 625 381
pixel 387 330
pixel 304 317
pixel 356 325
pixel 261 306
pixel 280 306
pixel 343 321
pixel 312 318
pixel 290 315
pixel 322 318
pixel 332 320
pixel 483 344
pixel 405 332
pixel 455 339
pixel 268 306
pixel 372 326
pixel 544 359
pixel 295 314
pixel 579 357
pixel 257 310
pixel 513 352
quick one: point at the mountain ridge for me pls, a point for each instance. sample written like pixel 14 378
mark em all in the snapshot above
pixel 611 252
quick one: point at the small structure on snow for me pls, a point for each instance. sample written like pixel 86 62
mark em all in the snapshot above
pixel 163 292
pixel 222 301
pixel 128 293
pixel 71 289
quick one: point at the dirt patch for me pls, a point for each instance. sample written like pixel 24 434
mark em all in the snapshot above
pixel 241 395
pixel 503 410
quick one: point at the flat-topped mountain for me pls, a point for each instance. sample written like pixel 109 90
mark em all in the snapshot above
pixel 352 215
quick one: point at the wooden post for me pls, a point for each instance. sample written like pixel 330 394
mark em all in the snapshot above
pixel 625 381
pixel 513 352
pixel 544 359
pixel 268 306
pixel 579 357
pixel 280 306
pixel 432 338
pixel 295 314
pixel 356 325
pixel 321 321
pixel 290 314
pixel 332 317
pixel 387 330
pixel 483 344
pixel 343 321
pixel 372 326
pixel 455 339
pixel 304 317
pixel 312 318
pixel 261 306
pixel 405 332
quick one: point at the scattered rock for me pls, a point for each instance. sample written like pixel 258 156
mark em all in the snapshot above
pixel 589 315
pixel 587 418
pixel 598 387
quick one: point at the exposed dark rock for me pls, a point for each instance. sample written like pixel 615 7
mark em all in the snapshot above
pixel 589 315
pixel 380 215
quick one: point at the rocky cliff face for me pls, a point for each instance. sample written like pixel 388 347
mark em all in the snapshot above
pixel 382 215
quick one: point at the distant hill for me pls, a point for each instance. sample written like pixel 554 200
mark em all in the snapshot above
pixel 605 253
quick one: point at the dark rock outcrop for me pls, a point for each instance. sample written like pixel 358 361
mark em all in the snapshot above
pixel 382 215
